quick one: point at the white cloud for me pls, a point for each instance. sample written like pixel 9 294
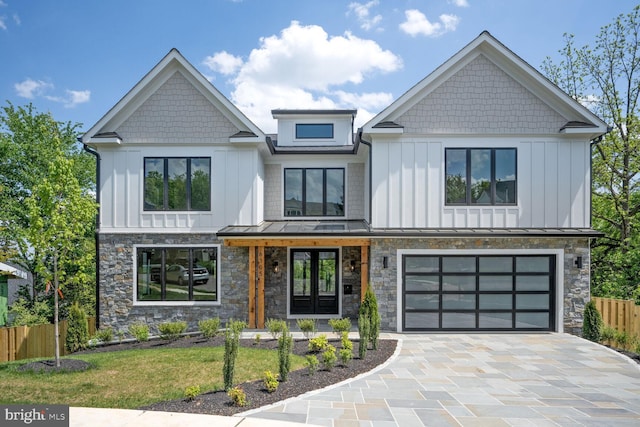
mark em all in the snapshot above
pixel 75 97
pixel 30 88
pixel 2 3
pixel 303 67
pixel 3 25
pixel 223 62
pixel 17 19
pixel 362 12
pixel 418 24
pixel 459 3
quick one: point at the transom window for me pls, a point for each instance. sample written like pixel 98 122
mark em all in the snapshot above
pixel 314 130
pixel 177 184
pixel 480 176
pixel 314 192
pixel 177 274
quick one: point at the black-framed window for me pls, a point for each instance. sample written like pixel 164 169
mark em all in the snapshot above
pixel 314 130
pixel 314 192
pixel 481 176
pixel 177 183
pixel 177 274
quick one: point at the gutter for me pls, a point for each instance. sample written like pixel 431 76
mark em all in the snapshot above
pixel 97 156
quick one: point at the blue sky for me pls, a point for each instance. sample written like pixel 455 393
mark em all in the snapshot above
pixel 77 58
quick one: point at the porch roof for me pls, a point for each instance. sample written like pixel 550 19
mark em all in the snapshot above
pixel 309 228
pixel 352 228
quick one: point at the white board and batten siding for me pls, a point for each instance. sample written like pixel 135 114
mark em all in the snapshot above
pixel 237 179
pixel 553 185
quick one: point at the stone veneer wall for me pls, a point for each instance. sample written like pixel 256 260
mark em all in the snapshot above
pixel 117 285
pixel 576 281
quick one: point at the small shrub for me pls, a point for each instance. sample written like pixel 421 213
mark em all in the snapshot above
pixel 270 381
pixel 593 324
pixel 140 331
pixel 329 358
pixel 256 339
pixel 172 330
pixel 238 396
pixel 340 325
pixel 104 335
pixel 78 329
pixel 318 344
pixel 191 392
pixel 363 329
pixel 285 345
pixel 307 326
pixel 608 333
pixel 370 308
pixel 622 339
pixel 209 327
pixel 346 342
pixel 312 363
pixel 275 327
pixel 231 344
pixel 345 356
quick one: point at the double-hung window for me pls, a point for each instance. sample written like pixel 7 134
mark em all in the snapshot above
pixel 480 176
pixel 314 192
pixel 177 184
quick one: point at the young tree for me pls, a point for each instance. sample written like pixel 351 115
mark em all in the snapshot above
pixel 61 213
pixel 29 140
pixel 606 78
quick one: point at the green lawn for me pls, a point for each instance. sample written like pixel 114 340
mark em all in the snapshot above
pixel 133 378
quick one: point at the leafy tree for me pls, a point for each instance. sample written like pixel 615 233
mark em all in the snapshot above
pixel 605 78
pixel 29 140
pixel 61 214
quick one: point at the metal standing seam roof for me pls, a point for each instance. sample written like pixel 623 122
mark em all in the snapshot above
pixel 316 228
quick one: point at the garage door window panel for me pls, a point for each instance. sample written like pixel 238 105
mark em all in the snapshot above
pixel 415 283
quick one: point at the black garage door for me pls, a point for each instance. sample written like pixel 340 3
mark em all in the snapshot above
pixel 478 292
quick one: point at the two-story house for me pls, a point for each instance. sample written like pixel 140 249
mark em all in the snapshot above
pixel 465 204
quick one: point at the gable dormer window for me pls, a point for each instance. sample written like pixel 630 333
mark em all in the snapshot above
pixel 314 130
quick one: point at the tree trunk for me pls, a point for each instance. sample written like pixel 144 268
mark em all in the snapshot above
pixel 55 309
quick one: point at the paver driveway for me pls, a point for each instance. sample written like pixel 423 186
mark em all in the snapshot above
pixel 480 380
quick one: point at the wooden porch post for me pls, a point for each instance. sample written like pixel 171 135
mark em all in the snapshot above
pixel 364 270
pixel 252 287
pixel 261 276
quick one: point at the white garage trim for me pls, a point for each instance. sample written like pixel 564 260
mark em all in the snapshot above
pixel 559 288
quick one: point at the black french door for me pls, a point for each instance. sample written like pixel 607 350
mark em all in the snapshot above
pixel 314 281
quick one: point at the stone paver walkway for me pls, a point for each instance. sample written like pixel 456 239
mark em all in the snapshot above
pixel 480 380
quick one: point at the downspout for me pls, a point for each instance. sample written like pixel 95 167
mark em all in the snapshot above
pixel 97 156
pixel 368 144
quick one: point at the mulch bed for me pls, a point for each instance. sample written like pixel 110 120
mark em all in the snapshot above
pixel 217 402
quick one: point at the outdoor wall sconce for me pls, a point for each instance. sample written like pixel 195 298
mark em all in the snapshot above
pixel 276 267
pixel 578 262
pixel 385 262
pixel 352 266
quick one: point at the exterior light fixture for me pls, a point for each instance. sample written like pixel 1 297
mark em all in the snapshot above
pixel 385 262
pixel 353 265
pixel 276 267
pixel 578 261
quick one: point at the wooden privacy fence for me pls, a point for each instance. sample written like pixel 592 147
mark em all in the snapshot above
pixel 26 342
pixel 622 315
